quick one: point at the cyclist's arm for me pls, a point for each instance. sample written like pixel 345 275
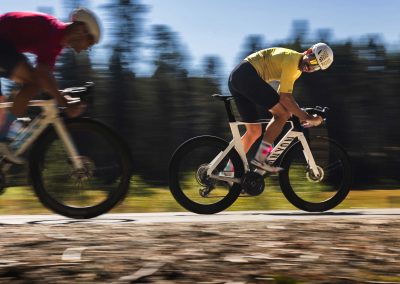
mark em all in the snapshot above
pixel 287 100
pixel 48 83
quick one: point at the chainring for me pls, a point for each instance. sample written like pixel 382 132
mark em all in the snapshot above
pixel 253 183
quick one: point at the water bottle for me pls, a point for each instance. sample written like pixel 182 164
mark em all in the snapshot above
pixel 15 128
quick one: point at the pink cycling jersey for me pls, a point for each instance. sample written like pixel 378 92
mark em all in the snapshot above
pixel 35 33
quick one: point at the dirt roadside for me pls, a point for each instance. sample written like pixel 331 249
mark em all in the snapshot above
pixel 317 251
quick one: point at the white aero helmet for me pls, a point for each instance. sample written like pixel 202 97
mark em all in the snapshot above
pixel 90 19
pixel 324 54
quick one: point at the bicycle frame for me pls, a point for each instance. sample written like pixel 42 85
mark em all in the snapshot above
pixel 277 151
pixel 48 116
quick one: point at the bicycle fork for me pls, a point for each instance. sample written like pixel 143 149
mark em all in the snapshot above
pixel 309 156
pixel 286 141
pixel 66 139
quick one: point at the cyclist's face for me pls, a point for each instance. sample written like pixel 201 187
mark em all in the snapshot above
pixel 309 63
pixel 83 40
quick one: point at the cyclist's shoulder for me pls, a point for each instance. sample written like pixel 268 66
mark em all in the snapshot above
pixel 287 52
pixel 27 18
pixel 279 54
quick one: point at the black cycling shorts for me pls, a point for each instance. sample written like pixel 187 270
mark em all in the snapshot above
pixel 9 58
pixel 253 96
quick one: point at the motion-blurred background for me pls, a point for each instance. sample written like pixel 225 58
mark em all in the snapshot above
pixel 160 60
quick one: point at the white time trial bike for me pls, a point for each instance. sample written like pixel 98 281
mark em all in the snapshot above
pixel 316 173
pixel 79 168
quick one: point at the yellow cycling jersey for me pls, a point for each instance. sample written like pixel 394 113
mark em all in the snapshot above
pixel 277 64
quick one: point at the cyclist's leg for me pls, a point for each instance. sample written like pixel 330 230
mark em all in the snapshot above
pixel 248 112
pixel 9 59
pixel 246 81
pixel 251 92
pixel 274 128
pixel 25 74
pixel 15 66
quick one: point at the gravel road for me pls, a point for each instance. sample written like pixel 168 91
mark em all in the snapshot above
pixel 328 250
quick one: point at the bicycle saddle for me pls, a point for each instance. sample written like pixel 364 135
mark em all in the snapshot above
pixel 222 98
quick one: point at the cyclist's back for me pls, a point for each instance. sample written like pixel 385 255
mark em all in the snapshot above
pixel 277 64
pixel 44 36
pixel 36 33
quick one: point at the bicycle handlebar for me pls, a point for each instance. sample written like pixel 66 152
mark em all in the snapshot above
pixel 318 110
pixel 80 92
pixel 83 93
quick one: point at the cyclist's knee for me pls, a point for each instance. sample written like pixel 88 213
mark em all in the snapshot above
pixel 280 113
pixel 25 74
pixel 254 130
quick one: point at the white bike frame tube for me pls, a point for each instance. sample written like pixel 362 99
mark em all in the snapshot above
pixel 235 143
pixel 275 154
pixel 219 158
pixel 38 103
pixel 308 155
pixel 36 127
pixel 48 116
pixel 237 140
pixel 68 143
pixel 286 141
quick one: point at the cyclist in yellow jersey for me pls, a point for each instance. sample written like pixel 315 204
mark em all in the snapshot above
pixel 249 84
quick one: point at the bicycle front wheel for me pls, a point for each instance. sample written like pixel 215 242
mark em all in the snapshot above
pixel 321 192
pixel 89 191
pixel 190 185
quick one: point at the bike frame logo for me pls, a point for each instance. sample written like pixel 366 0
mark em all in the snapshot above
pixel 278 149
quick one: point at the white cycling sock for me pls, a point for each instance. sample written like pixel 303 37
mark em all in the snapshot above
pixel 263 151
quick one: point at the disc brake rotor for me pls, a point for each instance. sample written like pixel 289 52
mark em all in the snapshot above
pixel 85 172
pixel 312 178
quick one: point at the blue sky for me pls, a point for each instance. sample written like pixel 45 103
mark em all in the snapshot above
pixel 219 27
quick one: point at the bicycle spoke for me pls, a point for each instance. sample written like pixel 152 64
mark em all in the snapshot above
pixel 88 191
pixel 190 184
pixel 316 193
pixel 337 165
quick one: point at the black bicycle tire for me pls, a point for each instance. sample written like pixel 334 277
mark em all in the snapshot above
pixel 326 205
pixel 111 201
pixel 175 189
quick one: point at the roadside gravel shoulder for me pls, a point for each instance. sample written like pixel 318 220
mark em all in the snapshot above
pixel 285 251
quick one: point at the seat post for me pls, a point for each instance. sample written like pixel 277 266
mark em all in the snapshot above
pixel 228 107
pixel 229 111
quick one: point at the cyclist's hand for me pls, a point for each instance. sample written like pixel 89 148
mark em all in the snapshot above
pixel 73 106
pixel 75 109
pixel 312 121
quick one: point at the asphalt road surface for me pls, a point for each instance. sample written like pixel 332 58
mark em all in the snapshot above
pixel 183 217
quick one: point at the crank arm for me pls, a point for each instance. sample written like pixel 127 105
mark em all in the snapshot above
pixel 227 179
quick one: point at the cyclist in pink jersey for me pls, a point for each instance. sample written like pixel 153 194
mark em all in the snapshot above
pixel 44 36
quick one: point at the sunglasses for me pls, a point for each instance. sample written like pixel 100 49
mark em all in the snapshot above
pixel 312 62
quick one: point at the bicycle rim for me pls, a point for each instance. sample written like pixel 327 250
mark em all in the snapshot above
pixel 191 186
pixel 316 193
pixel 87 192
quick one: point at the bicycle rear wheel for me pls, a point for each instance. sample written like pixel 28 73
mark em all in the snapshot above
pixel 308 192
pixel 85 193
pixel 189 183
